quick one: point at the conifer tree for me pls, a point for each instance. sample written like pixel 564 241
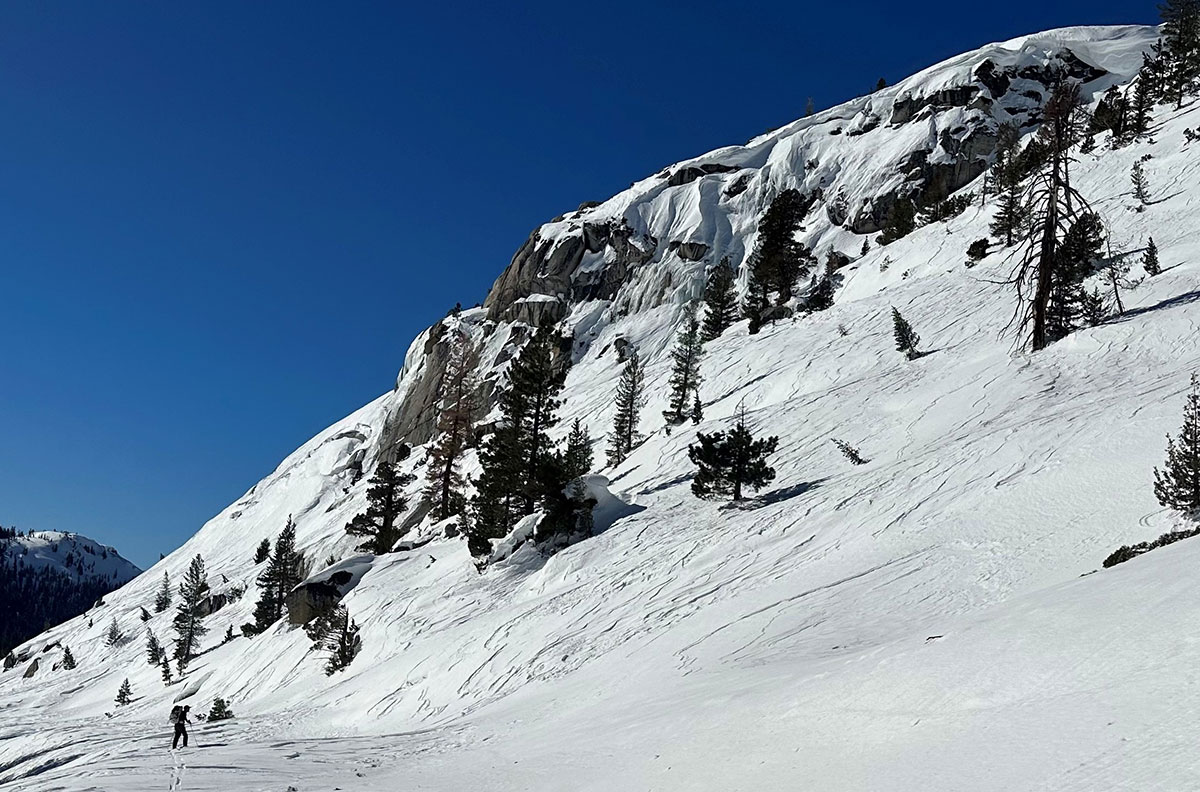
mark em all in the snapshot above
pixel 68 661
pixel 1181 44
pixel 283 573
pixel 337 634
pixel 1177 485
pixel 685 374
pixel 755 303
pixel 850 452
pixel 263 552
pixel 189 628
pixel 220 710
pixel 1150 259
pixel 1139 117
pixel 577 460
pixel 144 614
pixel 820 293
pixel 385 501
pixel 879 86
pixel 630 398
pixel 901 220
pixel 162 600
pixel 720 302
pixel 907 339
pixel 458 404
pixel 124 694
pixel 866 247
pixel 165 665
pixel 729 463
pixel 154 650
pixel 1091 307
pixel 697 409
pixel 1006 176
pixel 778 260
pixel 520 469
pixel 1141 185
pixel 113 637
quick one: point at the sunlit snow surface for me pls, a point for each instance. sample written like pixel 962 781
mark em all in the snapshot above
pixel 924 622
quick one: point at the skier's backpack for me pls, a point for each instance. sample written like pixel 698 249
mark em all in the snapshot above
pixel 176 714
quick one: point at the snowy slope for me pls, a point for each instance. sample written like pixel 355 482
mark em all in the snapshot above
pixel 785 644
pixel 70 553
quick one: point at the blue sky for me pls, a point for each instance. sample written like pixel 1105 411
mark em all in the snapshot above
pixel 222 223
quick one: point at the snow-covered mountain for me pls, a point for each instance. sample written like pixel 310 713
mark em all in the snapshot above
pixel 71 554
pixel 51 576
pixel 924 621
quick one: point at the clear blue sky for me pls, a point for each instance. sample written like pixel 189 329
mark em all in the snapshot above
pixel 222 223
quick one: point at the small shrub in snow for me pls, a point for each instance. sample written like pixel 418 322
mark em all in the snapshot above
pixel 850 452
pixel 1126 552
pixel 977 251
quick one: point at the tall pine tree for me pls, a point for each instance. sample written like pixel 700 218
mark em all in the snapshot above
pixel 283 573
pixel 385 501
pixel 1150 259
pixel 630 398
pixel 720 302
pixel 1177 485
pixel 685 372
pixel 458 404
pixel 188 624
pixel 778 260
pixel 1181 45
pixel 521 472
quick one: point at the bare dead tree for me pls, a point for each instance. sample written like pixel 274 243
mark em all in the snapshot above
pixel 1054 205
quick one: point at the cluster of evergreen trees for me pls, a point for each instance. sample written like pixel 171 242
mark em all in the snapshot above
pixel 285 570
pixel 523 470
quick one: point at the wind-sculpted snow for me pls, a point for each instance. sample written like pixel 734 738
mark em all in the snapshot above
pixel 927 621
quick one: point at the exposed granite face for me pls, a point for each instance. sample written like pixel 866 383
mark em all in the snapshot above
pixel 592 258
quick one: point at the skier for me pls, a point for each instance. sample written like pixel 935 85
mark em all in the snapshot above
pixel 179 718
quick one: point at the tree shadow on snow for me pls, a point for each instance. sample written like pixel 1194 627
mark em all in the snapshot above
pixel 775 496
pixel 1171 302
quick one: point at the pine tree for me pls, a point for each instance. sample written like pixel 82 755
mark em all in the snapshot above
pixel 879 86
pixel 820 293
pixel 1141 185
pixel 162 600
pixel 189 628
pixel 778 260
pixel 685 374
pixel 385 501
pixel 697 410
pixel 283 573
pixel 458 404
pixel 866 247
pixel 1150 259
pixel 1055 206
pixel 144 614
pixel 1091 307
pixel 113 637
pixel 1177 485
pixel 263 551
pixel 720 302
pixel 1139 119
pixel 850 452
pixel 125 694
pixel 68 661
pixel 630 399
pixel 220 710
pixel 154 650
pixel 907 339
pixel 728 463
pixel 520 469
pixel 1181 44
pixel 901 220
pixel 336 633
pixel 755 303
pixel 577 460
pixel 165 665
pixel 1006 176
